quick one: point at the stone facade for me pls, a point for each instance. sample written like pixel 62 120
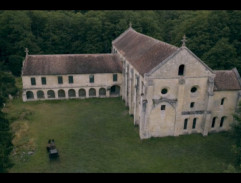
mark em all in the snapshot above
pixel 169 90
pixel 102 86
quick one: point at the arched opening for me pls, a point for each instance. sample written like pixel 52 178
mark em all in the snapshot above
pixel 51 94
pixel 92 92
pixel 30 95
pixel 213 122
pixel 222 121
pixel 194 123
pixel 181 70
pixel 185 124
pixel 102 92
pixel 115 90
pixel 222 101
pixel 40 94
pixel 82 93
pixel 71 93
pixel 61 94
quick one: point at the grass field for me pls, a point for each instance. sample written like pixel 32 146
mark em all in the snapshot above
pixel 98 135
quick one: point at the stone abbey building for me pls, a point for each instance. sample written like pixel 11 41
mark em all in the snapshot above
pixel 168 90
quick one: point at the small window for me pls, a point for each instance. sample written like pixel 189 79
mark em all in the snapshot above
pixel 114 77
pixel 71 79
pixel 193 89
pixel 181 70
pixel 222 121
pixel 185 124
pixel 163 107
pixel 213 122
pixel 192 104
pixel 194 123
pixel 33 81
pixel 43 79
pixel 92 78
pixel 222 101
pixel 60 80
pixel 164 91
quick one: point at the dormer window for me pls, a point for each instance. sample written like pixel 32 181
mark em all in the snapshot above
pixel 181 70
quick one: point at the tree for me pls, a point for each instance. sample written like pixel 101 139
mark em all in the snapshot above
pixel 5 143
pixel 222 56
pixel 7 86
pixel 15 64
pixel 236 135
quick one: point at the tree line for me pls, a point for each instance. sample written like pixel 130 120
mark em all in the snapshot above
pixel 214 36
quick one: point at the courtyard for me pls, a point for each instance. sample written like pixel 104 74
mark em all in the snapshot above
pixel 97 135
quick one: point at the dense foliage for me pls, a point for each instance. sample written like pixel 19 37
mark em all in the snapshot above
pixel 236 134
pixel 214 36
pixel 7 87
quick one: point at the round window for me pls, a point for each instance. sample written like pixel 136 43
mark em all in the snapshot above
pixel 193 89
pixel 164 91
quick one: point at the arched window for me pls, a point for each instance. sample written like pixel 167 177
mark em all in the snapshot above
pixel 115 90
pixel 71 93
pixel 222 121
pixel 92 92
pixel 192 104
pixel 222 101
pixel 40 94
pixel 82 93
pixel 185 124
pixel 61 94
pixel 181 70
pixel 194 123
pixel 102 92
pixel 213 122
pixel 51 94
pixel 30 95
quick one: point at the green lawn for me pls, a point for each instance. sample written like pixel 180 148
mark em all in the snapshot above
pixel 98 135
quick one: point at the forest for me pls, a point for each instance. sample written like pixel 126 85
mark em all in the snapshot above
pixel 214 36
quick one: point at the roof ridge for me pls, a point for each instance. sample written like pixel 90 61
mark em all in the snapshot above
pixel 77 54
pixel 122 34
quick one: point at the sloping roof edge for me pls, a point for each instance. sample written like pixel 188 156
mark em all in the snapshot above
pixel 122 34
pixel 237 75
pixel 172 55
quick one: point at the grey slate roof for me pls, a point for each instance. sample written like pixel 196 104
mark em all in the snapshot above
pixel 71 64
pixel 143 52
pixel 226 80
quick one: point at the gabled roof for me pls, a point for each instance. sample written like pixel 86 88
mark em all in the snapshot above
pixel 175 53
pixel 227 80
pixel 143 52
pixel 71 64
